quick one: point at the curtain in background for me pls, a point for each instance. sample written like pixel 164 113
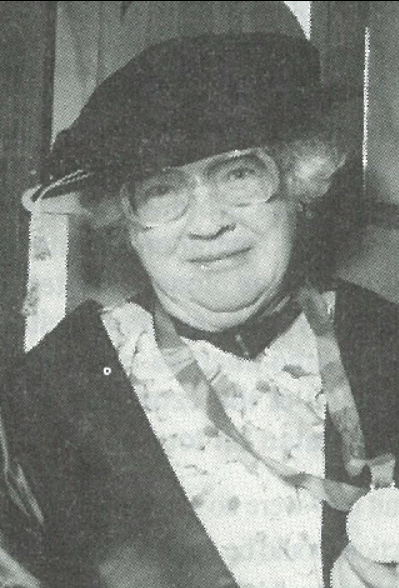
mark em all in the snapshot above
pixel 26 50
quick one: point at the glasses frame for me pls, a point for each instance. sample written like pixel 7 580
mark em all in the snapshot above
pixel 260 152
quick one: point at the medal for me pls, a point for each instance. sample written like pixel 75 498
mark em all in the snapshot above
pixel 373 525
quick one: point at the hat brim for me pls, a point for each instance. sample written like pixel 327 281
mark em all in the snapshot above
pixel 216 133
pixel 67 203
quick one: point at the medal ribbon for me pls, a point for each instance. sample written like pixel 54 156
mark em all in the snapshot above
pixel 340 401
pixel 341 496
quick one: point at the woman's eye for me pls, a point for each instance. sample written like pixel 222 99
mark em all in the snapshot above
pixel 241 173
pixel 159 190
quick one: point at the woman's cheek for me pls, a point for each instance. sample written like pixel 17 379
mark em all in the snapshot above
pixel 158 252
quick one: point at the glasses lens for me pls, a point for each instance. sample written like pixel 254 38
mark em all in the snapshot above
pixel 243 180
pixel 159 199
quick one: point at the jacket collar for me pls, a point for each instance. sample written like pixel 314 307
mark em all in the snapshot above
pixel 250 338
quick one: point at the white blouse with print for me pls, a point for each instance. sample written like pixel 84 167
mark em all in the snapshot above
pixel 267 532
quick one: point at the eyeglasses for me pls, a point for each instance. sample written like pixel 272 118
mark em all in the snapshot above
pixel 237 179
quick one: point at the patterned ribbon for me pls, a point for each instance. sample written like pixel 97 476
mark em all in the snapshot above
pixel 345 417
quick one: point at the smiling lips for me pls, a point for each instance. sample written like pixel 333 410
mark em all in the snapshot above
pixel 220 259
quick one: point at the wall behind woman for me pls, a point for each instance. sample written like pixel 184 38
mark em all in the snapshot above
pixel 376 264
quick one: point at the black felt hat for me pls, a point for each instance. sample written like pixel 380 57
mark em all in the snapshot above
pixel 186 99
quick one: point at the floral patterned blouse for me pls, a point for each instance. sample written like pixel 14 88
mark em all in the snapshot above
pixel 267 532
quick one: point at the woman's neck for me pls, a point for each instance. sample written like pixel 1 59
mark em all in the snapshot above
pixel 199 317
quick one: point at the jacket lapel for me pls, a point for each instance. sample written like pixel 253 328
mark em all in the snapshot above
pixel 129 500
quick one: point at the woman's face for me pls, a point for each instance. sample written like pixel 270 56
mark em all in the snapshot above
pixel 214 237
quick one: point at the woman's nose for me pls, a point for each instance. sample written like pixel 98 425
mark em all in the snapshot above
pixel 207 217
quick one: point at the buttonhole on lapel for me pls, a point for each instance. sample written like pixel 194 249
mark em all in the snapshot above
pixel 107 371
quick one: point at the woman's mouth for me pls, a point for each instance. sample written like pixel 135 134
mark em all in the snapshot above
pixel 222 260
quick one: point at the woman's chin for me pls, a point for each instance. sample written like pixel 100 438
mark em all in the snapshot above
pixel 224 306
pixel 230 299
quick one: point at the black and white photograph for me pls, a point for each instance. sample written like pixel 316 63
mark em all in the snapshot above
pixel 199 294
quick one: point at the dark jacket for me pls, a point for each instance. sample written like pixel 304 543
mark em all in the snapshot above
pixel 114 512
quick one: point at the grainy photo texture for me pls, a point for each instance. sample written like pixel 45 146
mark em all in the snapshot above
pixel 199 375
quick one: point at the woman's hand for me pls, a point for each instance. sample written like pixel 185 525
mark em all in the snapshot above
pixel 352 570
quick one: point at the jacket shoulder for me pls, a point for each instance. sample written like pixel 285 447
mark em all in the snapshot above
pixel 75 329
pixel 75 350
pixel 364 317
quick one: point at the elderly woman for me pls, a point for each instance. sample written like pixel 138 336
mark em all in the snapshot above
pixel 189 436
